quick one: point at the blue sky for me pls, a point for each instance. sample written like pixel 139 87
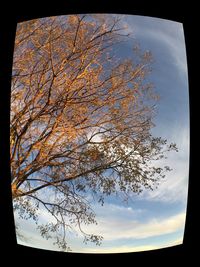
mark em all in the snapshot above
pixel 154 219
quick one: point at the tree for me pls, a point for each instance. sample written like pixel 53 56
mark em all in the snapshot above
pixel 81 121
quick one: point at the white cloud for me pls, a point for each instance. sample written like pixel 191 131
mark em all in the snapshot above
pixel 130 248
pixel 125 228
pixel 113 210
pixel 167 37
pixel 38 242
pixel 94 134
pixel 165 33
pixel 174 187
pixel 114 223
pixel 30 236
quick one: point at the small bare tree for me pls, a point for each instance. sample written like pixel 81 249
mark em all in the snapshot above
pixel 80 121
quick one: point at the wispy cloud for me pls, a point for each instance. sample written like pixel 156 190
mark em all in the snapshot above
pixel 128 228
pixel 131 248
pixel 115 230
pixel 174 187
pixel 167 35
pixel 30 236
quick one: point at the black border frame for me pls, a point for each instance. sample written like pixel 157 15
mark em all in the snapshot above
pixel 17 13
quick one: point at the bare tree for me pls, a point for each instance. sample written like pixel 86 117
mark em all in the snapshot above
pixel 80 121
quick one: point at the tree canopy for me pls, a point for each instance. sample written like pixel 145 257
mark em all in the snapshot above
pixel 81 119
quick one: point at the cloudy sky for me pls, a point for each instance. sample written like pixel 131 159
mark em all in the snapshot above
pixel 153 219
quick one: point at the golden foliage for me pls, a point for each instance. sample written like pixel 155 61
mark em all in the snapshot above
pixel 65 83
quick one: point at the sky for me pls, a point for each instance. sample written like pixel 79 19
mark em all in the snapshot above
pixel 153 219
